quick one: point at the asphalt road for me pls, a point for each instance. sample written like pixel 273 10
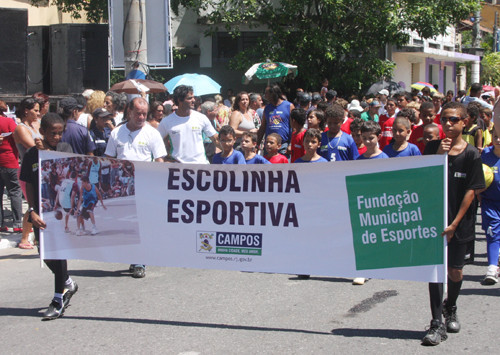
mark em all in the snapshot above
pixel 190 311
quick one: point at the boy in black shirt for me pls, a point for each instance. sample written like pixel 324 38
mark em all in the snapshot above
pixel 465 176
pixel 52 128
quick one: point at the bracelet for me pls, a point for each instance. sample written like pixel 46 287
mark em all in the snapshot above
pixel 31 209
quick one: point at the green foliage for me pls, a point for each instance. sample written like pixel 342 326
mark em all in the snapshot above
pixel 96 10
pixel 341 40
pixel 491 69
pixel 115 76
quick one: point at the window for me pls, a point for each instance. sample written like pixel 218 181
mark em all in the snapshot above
pixel 225 47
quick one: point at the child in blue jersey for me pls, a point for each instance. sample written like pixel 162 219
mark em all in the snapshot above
pixel 399 146
pixel 490 210
pixel 312 139
pixel 335 144
pixel 227 138
pixel 89 195
pixel 371 134
pixel 249 147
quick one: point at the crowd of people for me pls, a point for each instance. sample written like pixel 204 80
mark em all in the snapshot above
pixel 253 128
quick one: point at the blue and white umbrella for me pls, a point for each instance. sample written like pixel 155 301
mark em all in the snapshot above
pixel 202 84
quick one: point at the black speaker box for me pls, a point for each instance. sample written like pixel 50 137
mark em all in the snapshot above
pixel 78 58
pixel 13 25
pixel 38 59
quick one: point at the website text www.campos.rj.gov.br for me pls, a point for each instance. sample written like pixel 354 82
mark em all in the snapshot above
pixel 229 258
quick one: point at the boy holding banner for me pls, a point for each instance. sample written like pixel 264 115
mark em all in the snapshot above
pixel 52 127
pixel 465 178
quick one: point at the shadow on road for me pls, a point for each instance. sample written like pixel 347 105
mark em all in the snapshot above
pixel 378 333
pixel 329 279
pixel 20 256
pixel 99 273
pixel 486 291
pixel 196 324
pixel 21 312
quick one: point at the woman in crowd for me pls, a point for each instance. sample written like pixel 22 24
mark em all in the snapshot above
pixel 24 135
pixel 156 113
pixel 242 118
pixel 115 104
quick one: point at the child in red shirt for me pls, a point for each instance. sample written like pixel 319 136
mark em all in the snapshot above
pixel 298 118
pixel 356 134
pixel 273 144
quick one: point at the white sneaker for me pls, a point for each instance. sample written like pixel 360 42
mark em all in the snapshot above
pixel 359 281
pixel 94 230
pixel 491 277
pixel 80 232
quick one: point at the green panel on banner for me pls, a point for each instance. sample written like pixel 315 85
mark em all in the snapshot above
pixel 397 217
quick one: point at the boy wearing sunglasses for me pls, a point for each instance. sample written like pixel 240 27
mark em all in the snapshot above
pixel 465 177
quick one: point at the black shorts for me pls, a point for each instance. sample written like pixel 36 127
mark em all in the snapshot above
pixel 456 254
pixel 85 211
pixel 67 209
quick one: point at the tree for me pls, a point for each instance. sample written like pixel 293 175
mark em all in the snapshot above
pixel 341 40
pixel 491 69
pixel 96 10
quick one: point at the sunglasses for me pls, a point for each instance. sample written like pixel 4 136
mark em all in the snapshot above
pixel 452 119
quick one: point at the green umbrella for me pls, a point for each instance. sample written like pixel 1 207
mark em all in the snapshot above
pixel 269 70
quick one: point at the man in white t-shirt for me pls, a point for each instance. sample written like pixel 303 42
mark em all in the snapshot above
pixel 183 129
pixel 138 141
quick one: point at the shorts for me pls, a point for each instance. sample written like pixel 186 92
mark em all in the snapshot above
pixel 85 210
pixel 456 254
pixel 66 209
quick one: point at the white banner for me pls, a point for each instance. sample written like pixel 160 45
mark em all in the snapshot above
pixel 378 218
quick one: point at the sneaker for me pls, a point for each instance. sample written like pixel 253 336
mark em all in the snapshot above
pixel 451 319
pixel 4 229
pixel 139 272
pixel 18 230
pixel 436 333
pixel 359 281
pixel 66 230
pixel 69 291
pixel 491 277
pixel 94 230
pixel 80 232
pixel 54 311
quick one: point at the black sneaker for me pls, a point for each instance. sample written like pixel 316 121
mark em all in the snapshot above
pixel 139 272
pixel 54 311
pixel 436 333
pixel 69 291
pixel 451 319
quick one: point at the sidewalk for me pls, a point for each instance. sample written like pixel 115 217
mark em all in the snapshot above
pixel 10 239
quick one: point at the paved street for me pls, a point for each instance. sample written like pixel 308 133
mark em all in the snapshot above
pixel 188 311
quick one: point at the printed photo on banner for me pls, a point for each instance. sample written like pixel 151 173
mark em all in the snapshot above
pixel 86 196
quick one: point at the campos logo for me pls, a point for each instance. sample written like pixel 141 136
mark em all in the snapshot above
pixel 205 242
pixel 229 243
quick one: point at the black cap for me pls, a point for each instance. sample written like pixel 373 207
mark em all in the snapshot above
pixel 69 104
pixel 101 113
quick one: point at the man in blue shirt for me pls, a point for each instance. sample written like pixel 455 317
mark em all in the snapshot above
pixel 75 135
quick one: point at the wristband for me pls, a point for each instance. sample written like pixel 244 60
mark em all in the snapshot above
pixel 31 209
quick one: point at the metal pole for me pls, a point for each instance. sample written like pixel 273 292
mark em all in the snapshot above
pixel 134 33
